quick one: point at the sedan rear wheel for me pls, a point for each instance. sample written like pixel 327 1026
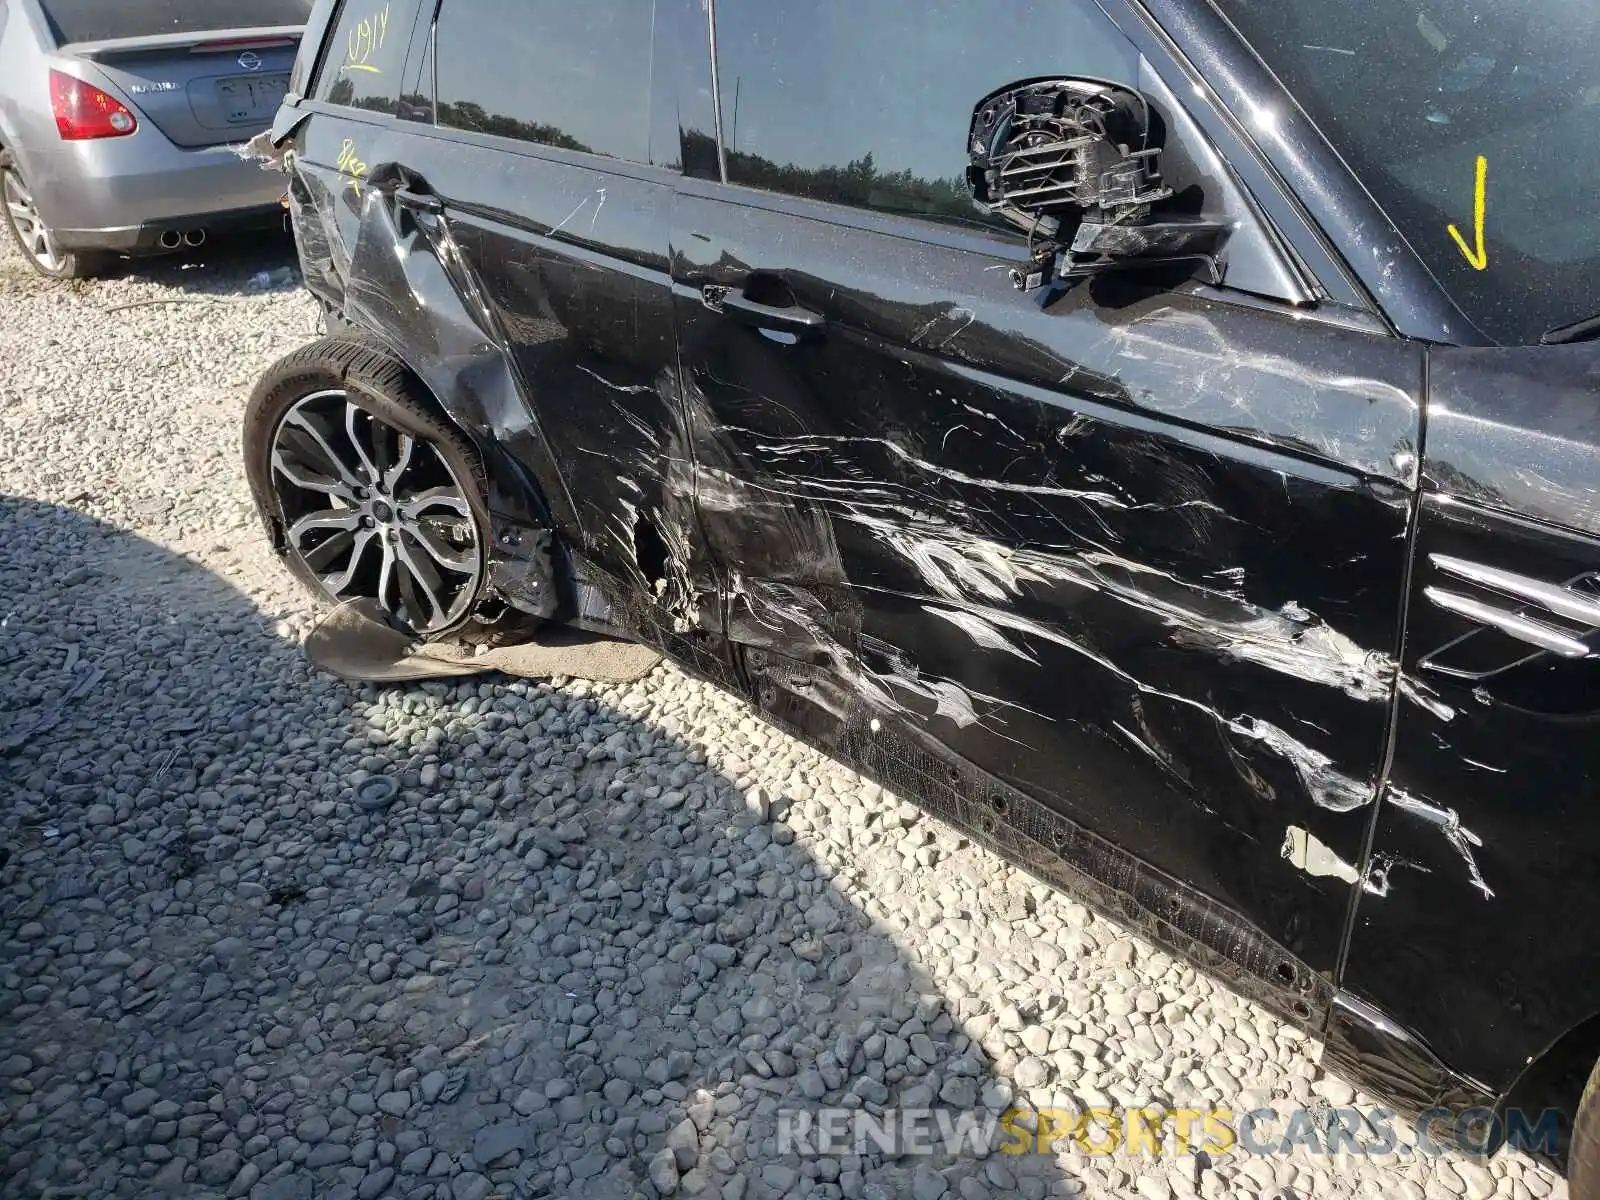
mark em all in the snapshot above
pixel 32 234
pixel 368 496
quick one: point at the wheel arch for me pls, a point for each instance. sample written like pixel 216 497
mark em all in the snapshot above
pixel 520 559
pixel 1555 1078
pixel 459 406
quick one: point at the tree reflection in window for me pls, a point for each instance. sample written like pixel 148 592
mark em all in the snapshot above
pixel 343 92
pixel 471 116
pixel 858 183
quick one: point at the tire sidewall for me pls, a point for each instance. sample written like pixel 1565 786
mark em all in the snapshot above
pixel 273 400
pixel 1583 1156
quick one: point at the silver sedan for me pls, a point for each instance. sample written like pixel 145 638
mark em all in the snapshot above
pixel 118 120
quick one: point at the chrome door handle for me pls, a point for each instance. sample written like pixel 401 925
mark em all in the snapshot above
pixel 418 201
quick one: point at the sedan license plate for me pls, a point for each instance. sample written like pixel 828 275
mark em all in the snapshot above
pixel 251 97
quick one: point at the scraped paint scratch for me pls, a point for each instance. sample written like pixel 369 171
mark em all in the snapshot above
pixel 1449 822
pixel 631 388
pixel 1380 873
pixel 980 631
pixel 1426 698
pixel 555 229
pixel 975 573
pixel 1329 788
pixel 1304 851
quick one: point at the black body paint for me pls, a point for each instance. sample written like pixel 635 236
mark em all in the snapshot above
pixel 1115 577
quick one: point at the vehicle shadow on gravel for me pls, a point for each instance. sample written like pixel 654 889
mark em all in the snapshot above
pixel 223 265
pixel 570 959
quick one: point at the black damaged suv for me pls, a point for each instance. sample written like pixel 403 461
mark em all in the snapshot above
pixel 1161 437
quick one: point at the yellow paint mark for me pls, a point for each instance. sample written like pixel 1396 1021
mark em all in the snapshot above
pixel 349 163
pixel 365 40
pixel 1479 256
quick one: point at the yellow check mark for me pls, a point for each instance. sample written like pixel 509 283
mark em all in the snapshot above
pixel 1479 257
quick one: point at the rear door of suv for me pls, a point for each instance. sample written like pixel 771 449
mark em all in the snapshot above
pixel 499 178
pixel 1112 574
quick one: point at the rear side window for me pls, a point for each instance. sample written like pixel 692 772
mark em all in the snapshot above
pixel 103 20
pixel 575 76
pixel 365 53
pixel 868 102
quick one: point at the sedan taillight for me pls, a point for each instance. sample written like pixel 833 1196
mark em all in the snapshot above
pixel 84 111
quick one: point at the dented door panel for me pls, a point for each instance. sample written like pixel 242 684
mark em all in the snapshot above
pixel 1485 846
pixel 569 350
pixel 1134 553
pixel 399 275
pixel 573 269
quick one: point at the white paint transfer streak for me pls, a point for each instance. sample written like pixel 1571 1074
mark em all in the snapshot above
pixel 1328 787
pixel 632 388
pixel 1380 872
pixel 778 606
pixel 966 316
pixel 1426 698
pixel 980 631
pixel 1316 652
pixel 556 228
pixel 952 702
pixel 814 444
pixel 964 570
pixel 1160 758
pixel 1449 821
pixel 957 569
pixel 1306 852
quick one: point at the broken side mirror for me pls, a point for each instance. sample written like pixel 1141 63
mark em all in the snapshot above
pixel 1074 163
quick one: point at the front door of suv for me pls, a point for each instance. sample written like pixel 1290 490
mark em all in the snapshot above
pixel 1134 551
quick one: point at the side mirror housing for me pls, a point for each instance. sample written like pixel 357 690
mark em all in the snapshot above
pixel 1074 164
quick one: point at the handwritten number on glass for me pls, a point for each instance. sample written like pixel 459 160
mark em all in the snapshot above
pixel 365 39
pixel 1478 254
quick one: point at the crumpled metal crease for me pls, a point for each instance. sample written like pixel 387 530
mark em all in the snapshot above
pixel 410 287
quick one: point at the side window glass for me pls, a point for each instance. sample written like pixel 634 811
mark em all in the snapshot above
pixel 416 97
pixel 868 102
pixel 575 76
pixel 365 54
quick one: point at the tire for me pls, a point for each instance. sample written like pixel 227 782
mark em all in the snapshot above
pixel 366 518
pixel 1583 1159
pixel 36 242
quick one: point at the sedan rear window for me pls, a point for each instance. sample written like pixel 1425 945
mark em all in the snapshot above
pixel 104 20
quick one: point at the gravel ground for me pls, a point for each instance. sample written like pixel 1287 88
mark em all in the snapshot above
pixel 600 940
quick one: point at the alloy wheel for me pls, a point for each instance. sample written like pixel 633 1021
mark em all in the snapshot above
pixel 23 214
pixel 375 512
